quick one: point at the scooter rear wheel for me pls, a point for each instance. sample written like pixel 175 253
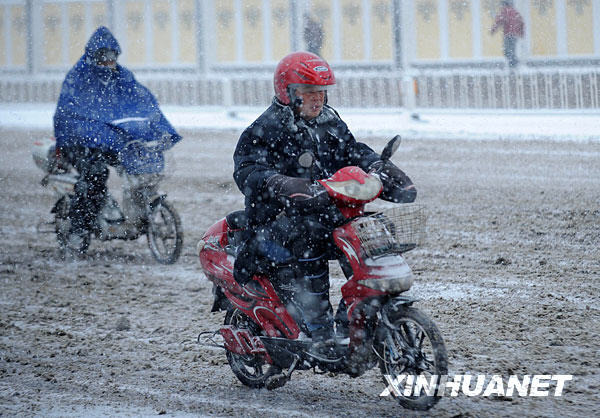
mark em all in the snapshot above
pixel 411 345
pixel 251 370
pixel 165 236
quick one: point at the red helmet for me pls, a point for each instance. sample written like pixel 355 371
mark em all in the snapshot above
pixel 301 68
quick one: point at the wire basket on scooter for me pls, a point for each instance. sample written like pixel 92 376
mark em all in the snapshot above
pixel 395 230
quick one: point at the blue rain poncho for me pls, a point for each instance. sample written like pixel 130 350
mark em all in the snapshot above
pixel 105 108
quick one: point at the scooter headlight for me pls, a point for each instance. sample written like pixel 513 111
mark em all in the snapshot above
pixel 391 285
pixel 355 190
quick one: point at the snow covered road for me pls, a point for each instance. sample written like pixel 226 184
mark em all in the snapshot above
pixel 510 274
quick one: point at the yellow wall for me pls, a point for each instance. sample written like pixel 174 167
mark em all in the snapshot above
pixel 77 34
pixel 543 28
pixel 98 15
pixel 352 30
pixel 322 10
pixel 225 30
pixel 460 29
pixel 53 29
pixel 52 23
pixel 252 18
pixel 63 23
pixel 382 35
pixel 491 45
pixel 580 29
pixel 427 29
pixel 135 47
pixel 162 31
pixel 186 20
pixel 18 35
pixel 280 29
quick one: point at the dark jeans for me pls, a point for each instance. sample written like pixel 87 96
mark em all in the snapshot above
pixel 510 43
pixel 294 252
pixel 90 190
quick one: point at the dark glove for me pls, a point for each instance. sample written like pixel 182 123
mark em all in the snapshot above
pixel 397 186
pixel 298 194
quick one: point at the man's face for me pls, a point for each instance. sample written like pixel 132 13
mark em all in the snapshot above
pixel 313 99
pixel 106 58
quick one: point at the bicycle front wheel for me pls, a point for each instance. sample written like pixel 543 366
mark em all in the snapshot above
pixel 165 236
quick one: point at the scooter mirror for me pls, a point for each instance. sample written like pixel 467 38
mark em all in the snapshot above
pixel 391 148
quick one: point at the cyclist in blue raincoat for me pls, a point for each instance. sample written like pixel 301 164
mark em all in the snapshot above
pixel 98 99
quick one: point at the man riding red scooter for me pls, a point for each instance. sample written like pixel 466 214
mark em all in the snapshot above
pixel 296 141
pixel 266 335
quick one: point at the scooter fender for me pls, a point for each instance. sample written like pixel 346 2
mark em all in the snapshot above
pixel 397 302
pixel 216 263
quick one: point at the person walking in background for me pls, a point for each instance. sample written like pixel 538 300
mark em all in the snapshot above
pixel 313 34
pixel 513 27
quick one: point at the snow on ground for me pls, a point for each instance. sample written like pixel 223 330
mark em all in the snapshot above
pixel 509 273
pixel 579 125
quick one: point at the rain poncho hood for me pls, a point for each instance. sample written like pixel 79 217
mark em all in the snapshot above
pixel 105 108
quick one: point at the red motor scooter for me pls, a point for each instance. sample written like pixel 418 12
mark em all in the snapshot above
pixel 264 343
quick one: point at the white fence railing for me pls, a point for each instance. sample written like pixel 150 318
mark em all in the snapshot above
pixel 528 89
pixel 540 89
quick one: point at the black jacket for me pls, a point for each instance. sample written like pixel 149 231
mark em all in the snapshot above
pixel 273 144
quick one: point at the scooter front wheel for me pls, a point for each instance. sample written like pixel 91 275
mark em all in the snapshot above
pixel 410 347
pixel 165 236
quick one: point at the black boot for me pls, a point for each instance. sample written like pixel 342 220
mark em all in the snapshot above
pixel 324 345
pixel 77 243
pixel 342 325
